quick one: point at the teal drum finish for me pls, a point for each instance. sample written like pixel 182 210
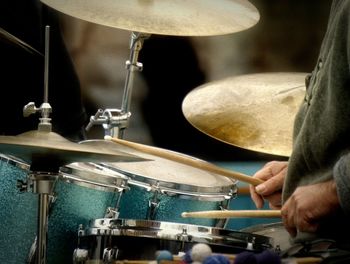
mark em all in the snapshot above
pixel 83 193
pixel 136 201
pixel 18 214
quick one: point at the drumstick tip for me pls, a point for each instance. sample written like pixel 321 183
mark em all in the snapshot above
pixel 184 214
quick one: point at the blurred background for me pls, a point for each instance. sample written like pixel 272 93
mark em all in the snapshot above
pixel 286 39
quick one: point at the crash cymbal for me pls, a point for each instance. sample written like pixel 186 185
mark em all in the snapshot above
pixel 7 37
pixel 45 149
pixel 164 17
pixel 254 112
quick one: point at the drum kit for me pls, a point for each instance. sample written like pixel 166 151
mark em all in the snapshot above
pixel 104 200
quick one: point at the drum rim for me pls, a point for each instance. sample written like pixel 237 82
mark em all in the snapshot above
pixel 110 182
pixel 225 184
pixel 173 231
pixel 14 161
pixel 189 191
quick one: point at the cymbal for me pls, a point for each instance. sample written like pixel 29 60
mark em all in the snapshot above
pixel 164 17
pixel 254 111
pixel 6 36
pixel 45 149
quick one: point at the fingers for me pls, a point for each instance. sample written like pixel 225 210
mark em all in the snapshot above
pixel 273 174
pixel 257 199
pixel 287 213
pixel 296 218
pixel 271 185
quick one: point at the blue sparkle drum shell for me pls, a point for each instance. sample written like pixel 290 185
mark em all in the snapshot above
pixel 18 214
pixel 177 187
pixel 83 192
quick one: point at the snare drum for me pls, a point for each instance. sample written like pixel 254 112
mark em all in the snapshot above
pixel 116 239
pixel 83 192
pixel 18 214
pixel 161 189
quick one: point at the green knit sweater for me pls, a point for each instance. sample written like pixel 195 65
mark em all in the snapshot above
pixel 322 125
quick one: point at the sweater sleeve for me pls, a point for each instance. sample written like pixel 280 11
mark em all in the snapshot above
pixel 341 173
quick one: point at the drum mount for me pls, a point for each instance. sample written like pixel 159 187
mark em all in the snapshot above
pixel 115 121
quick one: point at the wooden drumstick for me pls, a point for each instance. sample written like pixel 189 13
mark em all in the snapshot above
pixel 199 164
pixel 233 214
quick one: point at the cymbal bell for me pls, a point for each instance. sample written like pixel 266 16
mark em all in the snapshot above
pixel 48 149
pixel 164 17
pixel 254 111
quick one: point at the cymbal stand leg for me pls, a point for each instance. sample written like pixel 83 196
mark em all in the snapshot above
pixel 43 183
pixel 42 228
pixel 115 121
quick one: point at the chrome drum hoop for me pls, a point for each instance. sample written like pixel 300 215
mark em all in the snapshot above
pixel 178 190
pixel 177 232
pixel 93 176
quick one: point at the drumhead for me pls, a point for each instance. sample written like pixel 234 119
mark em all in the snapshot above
pixel 169 176
pixel 177 232
pixel 94 176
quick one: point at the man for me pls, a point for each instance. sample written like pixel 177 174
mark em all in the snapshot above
pixel 313 187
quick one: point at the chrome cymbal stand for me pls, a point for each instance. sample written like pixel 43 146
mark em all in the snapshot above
pixel 115 121
pixel 42 180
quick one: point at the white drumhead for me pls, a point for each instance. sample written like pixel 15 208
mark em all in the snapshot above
pixel 167 172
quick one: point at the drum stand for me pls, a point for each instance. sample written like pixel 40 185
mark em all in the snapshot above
pixel 115 121
pixel 43 176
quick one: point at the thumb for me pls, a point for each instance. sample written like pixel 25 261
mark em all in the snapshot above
pixel 271 185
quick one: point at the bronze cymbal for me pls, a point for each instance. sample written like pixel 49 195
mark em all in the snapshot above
pixel 6 36
pixel 49 148
pixel 254 111
pixel 164 17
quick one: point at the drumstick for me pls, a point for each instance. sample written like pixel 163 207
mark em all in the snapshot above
pixel 233 214
pixel 199 164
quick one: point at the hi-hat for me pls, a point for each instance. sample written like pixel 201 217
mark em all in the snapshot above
pixel 164 17
pixel 254 111
pixel 48 148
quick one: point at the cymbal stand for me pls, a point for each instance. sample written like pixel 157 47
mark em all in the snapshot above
pixel 42 181
pixel 115 121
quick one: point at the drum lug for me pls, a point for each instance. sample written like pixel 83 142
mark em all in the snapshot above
pixel 110 255
pixel 112 212
pixel 80 256
pixel 221 223
pixel 22 186
pixel 153 203
pixel 183 237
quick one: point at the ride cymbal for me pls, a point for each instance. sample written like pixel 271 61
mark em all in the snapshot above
pixel 254 112
pixel 164 17
pixel 45 149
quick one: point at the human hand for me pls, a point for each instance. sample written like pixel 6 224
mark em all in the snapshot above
pixel 308 205
pixel 273 174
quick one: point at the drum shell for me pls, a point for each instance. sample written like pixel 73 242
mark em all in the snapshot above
pixel 77 202
pixel 135 203
pixel 18 214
